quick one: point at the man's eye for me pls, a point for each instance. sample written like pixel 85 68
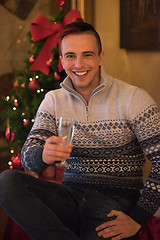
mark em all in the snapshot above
pixel 69 56
pixel 88 55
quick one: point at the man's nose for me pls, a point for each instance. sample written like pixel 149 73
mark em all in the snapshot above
pixel 78 62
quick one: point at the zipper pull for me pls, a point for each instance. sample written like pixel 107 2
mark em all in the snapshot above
pixel 87 112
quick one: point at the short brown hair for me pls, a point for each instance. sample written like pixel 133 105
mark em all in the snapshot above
pixel 80 27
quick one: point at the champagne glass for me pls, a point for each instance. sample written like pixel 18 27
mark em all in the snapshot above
pixel 66 131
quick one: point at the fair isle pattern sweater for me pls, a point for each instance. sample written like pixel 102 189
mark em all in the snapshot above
pixel 113 133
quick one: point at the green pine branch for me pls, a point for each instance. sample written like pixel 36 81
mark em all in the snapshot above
pixel 19 109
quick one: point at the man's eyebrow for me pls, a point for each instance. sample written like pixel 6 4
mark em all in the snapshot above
pixel 85 52
pixel 68 53
pixel 90 52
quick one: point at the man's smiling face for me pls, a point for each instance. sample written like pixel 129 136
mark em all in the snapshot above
pixel 81 60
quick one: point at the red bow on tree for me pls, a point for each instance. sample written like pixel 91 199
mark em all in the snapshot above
pixel 42 28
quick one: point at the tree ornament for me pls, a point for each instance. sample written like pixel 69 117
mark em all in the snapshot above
pixel 9 134
pixel 12 136
pixel 56 76
pixel 16 104
pixel 33 85
pixel 31 59
pixel 23 85
pixel 16 162
pixel 25 122
pixel 60 3
pixel 16 84
pixel 48 63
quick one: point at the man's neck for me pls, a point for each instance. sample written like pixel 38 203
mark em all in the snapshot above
pixel 85 94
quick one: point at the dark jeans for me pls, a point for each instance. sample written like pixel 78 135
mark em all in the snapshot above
pixel 49 211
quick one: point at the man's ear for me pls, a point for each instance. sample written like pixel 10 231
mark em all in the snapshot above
pixel 61 58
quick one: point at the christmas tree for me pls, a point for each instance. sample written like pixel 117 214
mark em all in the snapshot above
pixel 43 72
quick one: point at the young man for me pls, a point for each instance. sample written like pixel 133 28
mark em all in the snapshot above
pixel 116 125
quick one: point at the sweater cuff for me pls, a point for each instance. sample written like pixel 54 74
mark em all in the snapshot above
pixel 38 159
pixel 33 161
pixel 140 216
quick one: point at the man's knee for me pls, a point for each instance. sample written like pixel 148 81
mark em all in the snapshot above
pixel 8 180
pixel 8 175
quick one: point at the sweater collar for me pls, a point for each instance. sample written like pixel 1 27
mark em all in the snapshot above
pixel 105 83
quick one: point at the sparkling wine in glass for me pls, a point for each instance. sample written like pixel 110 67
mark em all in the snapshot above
pixel 66 131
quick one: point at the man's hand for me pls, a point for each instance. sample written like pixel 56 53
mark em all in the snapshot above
pixel 54 150
pixel 121 227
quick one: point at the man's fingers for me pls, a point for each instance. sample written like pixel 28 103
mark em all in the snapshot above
pixel 121 227
pixel 114 213
pixel 59 152
pixel 55 140
pixel 105 225
pixel 109 232
pixel 58 148
pixel 54 150
pixel 52 159
pixel 120 236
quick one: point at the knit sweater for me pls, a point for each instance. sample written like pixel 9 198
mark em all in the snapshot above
pixel 113 133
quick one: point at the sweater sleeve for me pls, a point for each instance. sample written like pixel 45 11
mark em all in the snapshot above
pixel 44 127
pixel 145 118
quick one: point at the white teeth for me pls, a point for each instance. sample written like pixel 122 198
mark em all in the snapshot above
pixel 80 73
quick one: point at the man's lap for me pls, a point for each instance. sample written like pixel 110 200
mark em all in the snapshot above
pixel 94 209
pixel 80 210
